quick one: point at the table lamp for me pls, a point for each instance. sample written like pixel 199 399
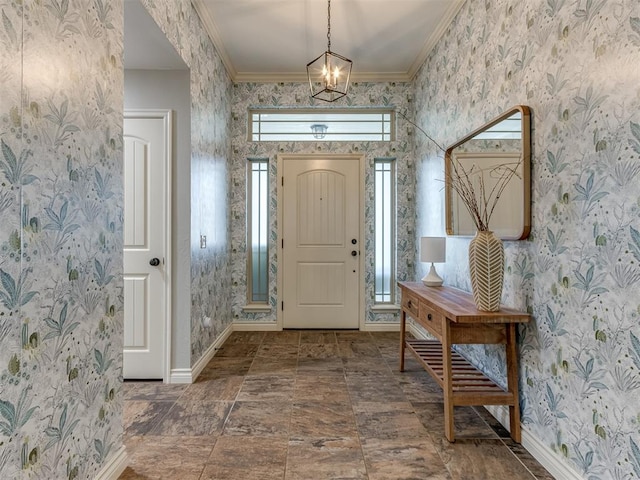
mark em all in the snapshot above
pixel 432 250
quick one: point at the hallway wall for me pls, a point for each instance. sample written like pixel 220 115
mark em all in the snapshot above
pixel 211 91
pixel 60 239
pixel 576 65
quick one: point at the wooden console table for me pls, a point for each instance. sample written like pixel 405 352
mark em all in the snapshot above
pixel 450 315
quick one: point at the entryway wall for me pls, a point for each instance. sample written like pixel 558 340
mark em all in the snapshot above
pixel 296 95
pixel 169 89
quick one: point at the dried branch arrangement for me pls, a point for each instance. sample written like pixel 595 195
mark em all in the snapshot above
pixel 469 184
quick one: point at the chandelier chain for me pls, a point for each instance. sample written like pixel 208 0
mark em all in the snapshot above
pixel 329 25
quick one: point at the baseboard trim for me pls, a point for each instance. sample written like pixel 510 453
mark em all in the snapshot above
pixel 180 375
pixel 114 466
pixel 189 375
pixel 549 459
pixel 381 327
pixel 256 327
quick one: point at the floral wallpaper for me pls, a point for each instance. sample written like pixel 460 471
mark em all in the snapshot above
pixel 211 91
pixel 576 65
pixel 296 95
pixel 61 309
pixel 60 237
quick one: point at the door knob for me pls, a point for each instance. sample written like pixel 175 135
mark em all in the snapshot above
pixel 354 253
pixel 154 262
pixel 354 241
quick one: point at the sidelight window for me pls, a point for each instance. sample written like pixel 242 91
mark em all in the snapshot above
pixel 257 231
pixel 385 228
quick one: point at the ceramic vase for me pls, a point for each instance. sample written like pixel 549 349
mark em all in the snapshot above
pixel 486 267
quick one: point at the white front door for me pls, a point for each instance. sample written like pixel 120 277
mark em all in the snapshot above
pixel 146 157
pixel 321 241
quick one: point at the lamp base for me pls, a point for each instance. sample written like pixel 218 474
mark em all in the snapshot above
pixel 432 279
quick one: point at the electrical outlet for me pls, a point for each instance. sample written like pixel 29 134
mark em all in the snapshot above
pixel 203 241
pixel 206 321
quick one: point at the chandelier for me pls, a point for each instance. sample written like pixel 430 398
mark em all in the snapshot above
pixel 329 73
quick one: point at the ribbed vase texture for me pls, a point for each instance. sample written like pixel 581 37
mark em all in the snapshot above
pixel 486 267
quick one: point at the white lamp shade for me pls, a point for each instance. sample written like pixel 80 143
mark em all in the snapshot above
pixel 433 249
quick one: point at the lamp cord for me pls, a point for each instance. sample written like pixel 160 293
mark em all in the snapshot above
pixel 329 26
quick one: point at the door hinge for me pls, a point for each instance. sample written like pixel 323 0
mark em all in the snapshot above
pixel 282 306
pixel 282 243
pixel 282 181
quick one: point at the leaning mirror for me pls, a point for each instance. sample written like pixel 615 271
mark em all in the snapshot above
pixel 494 160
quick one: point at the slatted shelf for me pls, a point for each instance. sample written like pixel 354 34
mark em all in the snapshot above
pixel 466 379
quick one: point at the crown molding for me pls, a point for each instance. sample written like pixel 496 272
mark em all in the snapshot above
pixel 297 77
pixel 433 39
pixel 214 34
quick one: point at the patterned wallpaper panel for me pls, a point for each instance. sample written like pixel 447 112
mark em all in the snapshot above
pixel 211 91
pixel 247 95
pixel 576 65
pixel 60 238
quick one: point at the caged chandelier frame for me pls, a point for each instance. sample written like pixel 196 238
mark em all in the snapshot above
pixel 329 73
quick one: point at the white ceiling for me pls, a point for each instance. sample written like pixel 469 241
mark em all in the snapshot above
pixel 273 40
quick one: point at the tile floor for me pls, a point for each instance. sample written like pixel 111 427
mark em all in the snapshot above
pixel 314 405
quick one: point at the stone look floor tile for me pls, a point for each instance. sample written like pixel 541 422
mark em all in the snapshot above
pixel 245 338
pixel 278 351
pixel 286 336
pixel 403 459
pixel 267 387
pixel 321 388
pixel 320 366
pixel 140 416
pixel 467 423
pixel 358 350
pixel 152 391
pixel 481 459
pixel 164 458
pixel 388 420
pixel 312 336
pixel 261 418
pixel 374 388
pixel 274 366
pixel 225 388
pixel 245 458
pixel 312 405
pixel 194 418
pixel 238 350
pixel 221 367
pixel 325 459
pixel 319 350
pixel 322 419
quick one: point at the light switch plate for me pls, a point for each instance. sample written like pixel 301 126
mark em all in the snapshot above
pixel 203 241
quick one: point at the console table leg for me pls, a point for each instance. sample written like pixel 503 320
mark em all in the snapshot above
pixel 448 382
pixel 512 381
pixel 403 321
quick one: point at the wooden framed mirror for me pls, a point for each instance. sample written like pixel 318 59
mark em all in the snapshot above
pixel 502 143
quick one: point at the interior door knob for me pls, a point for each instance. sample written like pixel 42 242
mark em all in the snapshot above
pixel 354 253
pixel 154 262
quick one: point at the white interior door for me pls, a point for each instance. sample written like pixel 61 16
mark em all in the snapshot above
pixel 146 157
pixel 321 242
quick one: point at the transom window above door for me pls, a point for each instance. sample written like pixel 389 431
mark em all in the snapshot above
pixel 322 125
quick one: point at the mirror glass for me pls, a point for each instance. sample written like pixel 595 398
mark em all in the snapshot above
pixel 498 148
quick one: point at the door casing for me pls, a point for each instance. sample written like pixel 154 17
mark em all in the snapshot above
pixel 167 118
pixel 281 158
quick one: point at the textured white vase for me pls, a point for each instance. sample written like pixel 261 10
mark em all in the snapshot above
pixel 486 268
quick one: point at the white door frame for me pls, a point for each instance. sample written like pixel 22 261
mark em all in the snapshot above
pixel 280 171
pixel 167 119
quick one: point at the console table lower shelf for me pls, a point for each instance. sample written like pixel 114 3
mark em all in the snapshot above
pixel 470 386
